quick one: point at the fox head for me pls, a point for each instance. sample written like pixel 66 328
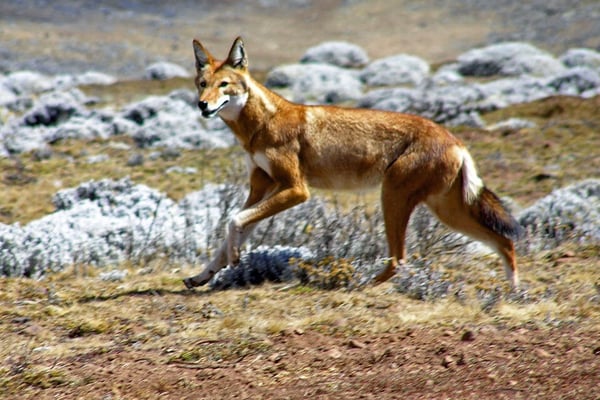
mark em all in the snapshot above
pixel 222 85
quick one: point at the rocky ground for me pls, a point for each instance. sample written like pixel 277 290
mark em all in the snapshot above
pixel 107 201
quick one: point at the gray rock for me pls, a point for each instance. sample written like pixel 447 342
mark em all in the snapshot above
pixel 575 81
pixel 17 140
pixel 7 95
pixel 378 99
pixel 284 76
pixel 504 92
pixel 88 127
pixel 396 70
pixel 447 75
pixel 171 122
pixel 341 54
pixel 508 59
pixel 187 95
pixel 115 275
pixel 97 158
pixel 272 264
pixel 452 105
pixel 321 83
pixel 54 108
pixel 165 70
pixel 176 169
pixel 570 213
pixel 87 78
pixel 135 160
pixel 55 116
pixel 581 57
pixel 107 222
pixel 512 124
pixel 27 82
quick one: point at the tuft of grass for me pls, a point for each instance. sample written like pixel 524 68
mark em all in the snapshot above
pixel 328 273
pixel 45 378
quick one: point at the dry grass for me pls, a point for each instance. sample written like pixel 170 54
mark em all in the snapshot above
pixel 73 314
pixel 144 307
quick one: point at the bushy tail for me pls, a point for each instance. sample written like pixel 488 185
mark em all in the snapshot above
pixel 485 206
pixel 491 212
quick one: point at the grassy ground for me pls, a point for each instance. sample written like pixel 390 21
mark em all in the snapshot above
pixel 60 336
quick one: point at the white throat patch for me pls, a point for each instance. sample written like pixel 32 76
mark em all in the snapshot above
pixel 232 110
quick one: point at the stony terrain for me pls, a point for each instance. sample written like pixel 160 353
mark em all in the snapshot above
pixel 113 189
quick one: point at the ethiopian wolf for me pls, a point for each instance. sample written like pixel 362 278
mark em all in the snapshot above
pixel 290 147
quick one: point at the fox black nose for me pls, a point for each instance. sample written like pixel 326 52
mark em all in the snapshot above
pixel 202 105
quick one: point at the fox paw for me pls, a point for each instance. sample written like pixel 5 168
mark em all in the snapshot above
pixel 233 244
pixel 191 283
pixel 233 256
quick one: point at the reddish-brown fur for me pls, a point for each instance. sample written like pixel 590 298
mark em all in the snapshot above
pixel 291 146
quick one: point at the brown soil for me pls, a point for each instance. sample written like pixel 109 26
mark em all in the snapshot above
pixel 483 362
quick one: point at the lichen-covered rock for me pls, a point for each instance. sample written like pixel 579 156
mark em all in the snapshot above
pixel 165 70
pixel 512 124
pixel 27 82
pixel 452 105
pixel 570 213
pixel 378 98
pixel 54 107
pixel 581 57
pixel 341 54
pixel 170 121
pixel 55 116
pixel 7 95
pixel 447 75
pixel 316 83
pixel 395 70
pixel 104 223
pixel 575 81
pixel 508 59
pixel 87 78
pixel 501 93
pixel 264 264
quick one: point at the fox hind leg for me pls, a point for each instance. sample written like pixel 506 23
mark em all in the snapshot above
pixel 457 215
pixel 403 188
pixel 396 214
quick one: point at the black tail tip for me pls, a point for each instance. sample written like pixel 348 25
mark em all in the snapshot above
pixel 497 216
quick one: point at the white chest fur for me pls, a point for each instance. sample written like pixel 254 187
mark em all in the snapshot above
pixel 259 160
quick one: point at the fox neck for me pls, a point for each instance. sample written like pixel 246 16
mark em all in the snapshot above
pixel 256 108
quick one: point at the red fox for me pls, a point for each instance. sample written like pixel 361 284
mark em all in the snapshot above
pixel 291 146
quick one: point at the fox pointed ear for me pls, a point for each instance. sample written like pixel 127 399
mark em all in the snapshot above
pixel 203 57
pixel 237 55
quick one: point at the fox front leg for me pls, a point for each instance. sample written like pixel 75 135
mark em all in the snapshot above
pixel 234 242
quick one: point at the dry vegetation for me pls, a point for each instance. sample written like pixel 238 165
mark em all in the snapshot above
pixel 73 335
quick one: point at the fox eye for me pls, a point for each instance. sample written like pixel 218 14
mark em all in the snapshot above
pixel 203 84
pixel 223 84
